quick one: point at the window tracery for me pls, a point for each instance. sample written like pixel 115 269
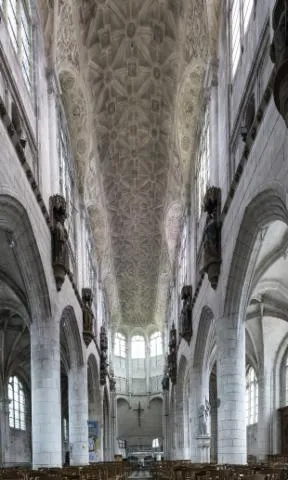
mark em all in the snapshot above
pixel 91 271
pixel 19 24
pixel 156 344
pixel 203 163
pixel 17 404
pixel 66 175
pixel 120 345
pixel 138 347
pixel 241 11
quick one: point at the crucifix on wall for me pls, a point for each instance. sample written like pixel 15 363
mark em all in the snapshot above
pixel 139 411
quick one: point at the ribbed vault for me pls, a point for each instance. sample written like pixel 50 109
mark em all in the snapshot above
pixel 143 64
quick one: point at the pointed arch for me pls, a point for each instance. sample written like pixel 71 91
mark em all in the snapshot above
pixel 70 337
pixel 204 326
pixel 15 222
pixel 267 207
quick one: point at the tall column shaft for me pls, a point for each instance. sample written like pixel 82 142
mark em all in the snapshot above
pixel 78 415
pixel 45 395
pixel 231 392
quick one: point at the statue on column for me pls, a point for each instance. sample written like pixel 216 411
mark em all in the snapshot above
pixel 186 313
pixel 212 235
pixel 60 254
pixel 204 411
pixel 165 380
pixel 172 357
pixel 88 317
pixel 112 380
pixel 279 56
pixel 103 355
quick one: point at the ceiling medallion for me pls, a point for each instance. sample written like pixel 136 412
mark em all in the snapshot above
pixel 131 29
pixel 156 73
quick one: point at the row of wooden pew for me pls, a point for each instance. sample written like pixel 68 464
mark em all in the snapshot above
pixel 276 468
pixel 97 471
pixel 185 470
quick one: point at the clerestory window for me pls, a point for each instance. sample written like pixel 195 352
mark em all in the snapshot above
pixel 120 345
pixel 241 11
pixel 138 347
pixel 18 17
pixel 91 270
pixel 156 344
pixel 17 404
pixel 66 175
pixel 203 163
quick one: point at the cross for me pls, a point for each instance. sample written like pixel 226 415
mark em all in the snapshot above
pixel 139 410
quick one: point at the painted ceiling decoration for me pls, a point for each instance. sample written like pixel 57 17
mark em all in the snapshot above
pixel 131 74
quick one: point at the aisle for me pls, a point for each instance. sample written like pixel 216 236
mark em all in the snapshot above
pixel 140 474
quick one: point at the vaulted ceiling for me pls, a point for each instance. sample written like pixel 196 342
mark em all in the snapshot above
pixel 131 74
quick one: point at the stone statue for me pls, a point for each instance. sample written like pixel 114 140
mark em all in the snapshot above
pixel 186 313
pixel 87 315
pixel 165 380
pixel 279 45
pixel 204 410
pixel 172 357
pixel 112 381
pixel 212 235
pixel 103 355
pixel 60 255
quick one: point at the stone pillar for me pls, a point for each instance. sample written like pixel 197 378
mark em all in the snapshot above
pixel 165 421
pixel 231 387
pixel 4 430
pixel 45 395
pixel 78 415
pixel 114 442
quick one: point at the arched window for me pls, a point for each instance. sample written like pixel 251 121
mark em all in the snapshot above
pixel 182 266
pixel 18 17
pixel 120 345
pixel 17 404
pixel 155 443
pixel 138 347
pixel 67 176
pixel 203 163
pixel 241 11
pixel 156 344
pixel 251 397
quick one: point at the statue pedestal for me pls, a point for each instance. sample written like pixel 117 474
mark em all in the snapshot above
pixel 203 442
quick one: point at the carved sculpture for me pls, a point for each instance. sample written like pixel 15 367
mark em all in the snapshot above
pixel 186 313
pixel 204 410
pixel 103 355
pixel 60 255
pixel 165 380
pixel 279 56
pixel 212 235
pixel 87 315
pixel 172 357
pixel 112 381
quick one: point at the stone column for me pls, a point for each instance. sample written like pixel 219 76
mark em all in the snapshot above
pixel 114 441
pixel 4 430
pixel 231 391
pixel 78 415
pixel 45 395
